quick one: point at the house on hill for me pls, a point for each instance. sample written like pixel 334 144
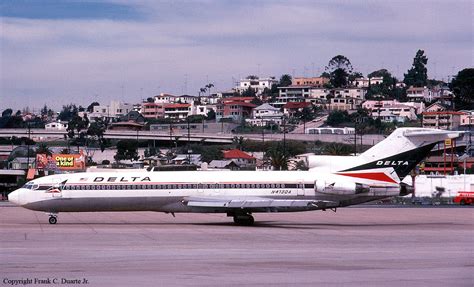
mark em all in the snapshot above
pixel 240 158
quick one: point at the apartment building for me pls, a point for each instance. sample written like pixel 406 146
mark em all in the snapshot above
pixel 177 111
pixel 152 110
pixel 111 112
pixel 292 94
pixel 445 120
pixel 235 108
pixel 257 84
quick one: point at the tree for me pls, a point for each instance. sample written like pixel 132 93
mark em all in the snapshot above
pixel 338 149
pixel 8 120
pixel 337 117
pixel 285 80
pixel 209 86
pixel 44 111
pixel 463 88
pixel 278 157
pixel 90 108
pixel 211 115
pixel 325 75
pixel 339 69
pixel 249 92
pixel 256 101
pixel 43 149
pixel 76 129
pixel 387 88
pixel 68 112
pixel 126 150
pixel 95 134
pixel 7 113
pixel 354 76
pixel 417 76
pixel 306 114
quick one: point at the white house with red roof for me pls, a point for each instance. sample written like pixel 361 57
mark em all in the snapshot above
pixel 239 157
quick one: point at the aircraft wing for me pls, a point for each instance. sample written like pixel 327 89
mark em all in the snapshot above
pixel 256 202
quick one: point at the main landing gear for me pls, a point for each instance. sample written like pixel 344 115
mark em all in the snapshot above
pixel 53 218
pixel 243 219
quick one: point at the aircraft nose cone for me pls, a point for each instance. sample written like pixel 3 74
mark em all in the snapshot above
pixel 14 197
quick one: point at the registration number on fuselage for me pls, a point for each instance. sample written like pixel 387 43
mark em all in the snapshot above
pixel 281 191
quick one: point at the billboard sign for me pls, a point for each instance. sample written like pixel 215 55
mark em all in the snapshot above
pixel 61 162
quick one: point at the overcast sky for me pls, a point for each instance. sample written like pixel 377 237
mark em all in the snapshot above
pixel 57 52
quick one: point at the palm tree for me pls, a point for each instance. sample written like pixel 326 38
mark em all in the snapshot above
pixel 305 115
pixel 338 149
pixel 278 158
pixel 209 86
pixel 43 149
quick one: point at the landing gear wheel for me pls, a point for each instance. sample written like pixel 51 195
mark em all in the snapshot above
pixel 463 202
pixel 245 219
pixel 53 220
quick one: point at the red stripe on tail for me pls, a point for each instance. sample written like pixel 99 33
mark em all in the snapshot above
pixel 380 176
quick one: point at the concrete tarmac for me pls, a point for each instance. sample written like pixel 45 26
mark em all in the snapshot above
pixel 353 247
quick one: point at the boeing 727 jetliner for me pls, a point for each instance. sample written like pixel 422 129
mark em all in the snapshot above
pixel 375 174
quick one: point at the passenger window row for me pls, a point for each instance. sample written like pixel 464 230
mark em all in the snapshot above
pixel 184 186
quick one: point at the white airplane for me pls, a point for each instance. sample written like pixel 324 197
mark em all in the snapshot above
pixel 338 182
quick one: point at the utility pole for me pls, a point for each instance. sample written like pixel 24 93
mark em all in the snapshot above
pixel 28 145
pixel 355 137
pixel 470 142
pixel 187 148
pixel 171 135
pixel 284 136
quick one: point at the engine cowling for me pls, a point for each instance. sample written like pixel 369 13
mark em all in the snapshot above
pixel 342 188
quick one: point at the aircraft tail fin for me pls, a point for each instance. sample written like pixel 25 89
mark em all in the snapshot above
pixel 400 152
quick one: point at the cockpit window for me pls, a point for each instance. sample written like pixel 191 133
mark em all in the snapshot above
pixel 31 185
pixel 28 186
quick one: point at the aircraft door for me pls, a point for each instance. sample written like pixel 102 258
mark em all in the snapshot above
pixel 301 189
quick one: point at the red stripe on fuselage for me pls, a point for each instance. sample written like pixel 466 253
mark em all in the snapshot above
pixel 380 176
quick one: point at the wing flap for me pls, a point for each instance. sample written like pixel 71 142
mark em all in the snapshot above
pixel 250 203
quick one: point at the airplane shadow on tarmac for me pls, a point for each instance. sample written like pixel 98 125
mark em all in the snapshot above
pixel 266 224
pixel 296 225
